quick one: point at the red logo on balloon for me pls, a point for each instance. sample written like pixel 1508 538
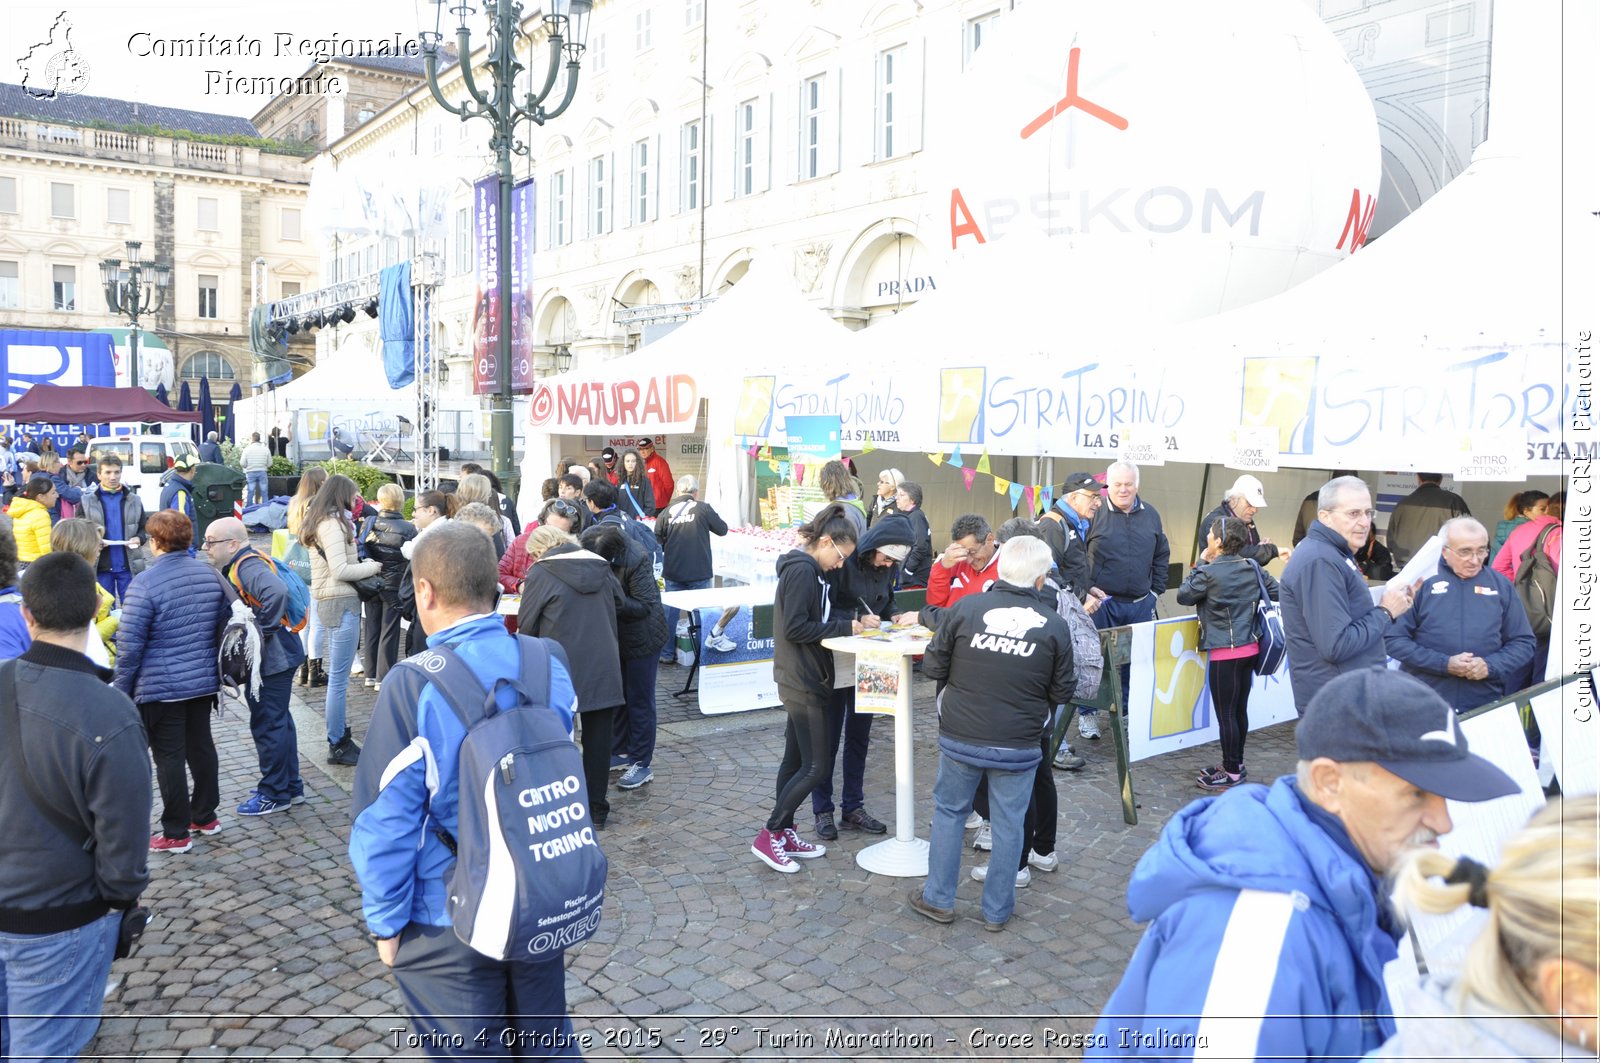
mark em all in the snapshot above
pixel 1071 100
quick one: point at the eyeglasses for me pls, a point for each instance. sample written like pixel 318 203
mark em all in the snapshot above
pixel 1355 514
pixel 1095 497
pixel 837 550
pixel 214 542
pixel 1479 552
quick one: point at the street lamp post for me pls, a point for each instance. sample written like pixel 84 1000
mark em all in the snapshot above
pixel 136 287
pixel 504 108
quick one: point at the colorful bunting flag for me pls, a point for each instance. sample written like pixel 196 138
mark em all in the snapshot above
pixel 783 469
pixel 755 448
pixel 772 465
pixel 955 457
pixel 1046 494
pixel 1001 484
pixel 868 447
pixel 799 473
pixel 937 458
pixel 1016 495
pixel 1028 495
pixel 968 475
pixel 983 461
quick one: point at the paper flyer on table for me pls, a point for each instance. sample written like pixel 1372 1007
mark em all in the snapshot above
pixel 882 681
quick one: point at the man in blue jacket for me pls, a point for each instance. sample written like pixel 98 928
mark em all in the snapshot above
pixel 227 546
pixel 1467 637
pixel 1128 556
pixel 1270 929
pixel 178 492
pixel 1329 620
pixel 406 783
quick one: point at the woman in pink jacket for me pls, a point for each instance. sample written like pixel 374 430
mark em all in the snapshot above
pixel 1506 563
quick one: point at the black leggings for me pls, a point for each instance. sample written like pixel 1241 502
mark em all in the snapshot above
pixel 596 746
pixel 1230 693
pixel 1039 825
pixel 805 752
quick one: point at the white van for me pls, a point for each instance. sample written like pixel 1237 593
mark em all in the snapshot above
pixel 145 458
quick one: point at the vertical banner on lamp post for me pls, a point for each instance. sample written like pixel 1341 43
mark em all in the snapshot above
pixel 522 234
pixel 486 307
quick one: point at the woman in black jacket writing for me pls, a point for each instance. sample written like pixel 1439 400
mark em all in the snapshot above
pixel 802 616
pixel 1226 588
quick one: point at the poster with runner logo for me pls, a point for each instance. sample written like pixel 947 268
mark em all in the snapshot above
pixel 1169 704
pixel 883 682
pixel 735 666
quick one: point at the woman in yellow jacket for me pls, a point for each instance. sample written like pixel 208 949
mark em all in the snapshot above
pixel 75 535
pixel 30 517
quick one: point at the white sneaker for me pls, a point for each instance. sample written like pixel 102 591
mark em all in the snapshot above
pixel 1048 862
pixel 974 821
pixel 721 643
pixel 356 669
pixel 1089 725
pixel 1024 877
pixel 984 839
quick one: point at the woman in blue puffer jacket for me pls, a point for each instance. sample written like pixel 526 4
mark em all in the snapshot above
pixel 167 663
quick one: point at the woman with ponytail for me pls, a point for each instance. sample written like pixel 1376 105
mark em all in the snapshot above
pixel 1528 987
pixel 802 616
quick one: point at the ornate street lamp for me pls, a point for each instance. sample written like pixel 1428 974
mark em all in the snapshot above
pixel 136 287
pixel 504 108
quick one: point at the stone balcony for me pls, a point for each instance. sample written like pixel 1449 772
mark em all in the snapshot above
pixel 140 149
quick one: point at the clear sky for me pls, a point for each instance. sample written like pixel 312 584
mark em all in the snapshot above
pixel 136 51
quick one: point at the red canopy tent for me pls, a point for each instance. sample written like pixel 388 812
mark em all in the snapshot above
pixel 51 404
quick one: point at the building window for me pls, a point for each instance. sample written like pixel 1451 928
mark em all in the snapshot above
pixel 694 12
pixel 811 122
pixel 365 114
pixel 438 138
pixel 289 223
pixel 64 287
pixel 288 288
pixel 693 165
pixel 597 196
pixel 462 240
pixel 369 259
pixel 596 56
pixel 642 190
pixel 206 364
pixel 119 206
pixel 206 214
pixel 208 295
pixel 641 30
pixel 8 195
pixel 10 286
pixel 560 229
pixel 891 64
pixel 63 200
pixel 745 183
pixel 977 34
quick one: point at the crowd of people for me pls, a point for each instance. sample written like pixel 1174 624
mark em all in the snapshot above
pixel 122 612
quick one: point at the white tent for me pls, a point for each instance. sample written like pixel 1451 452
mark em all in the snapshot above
pixel 346 388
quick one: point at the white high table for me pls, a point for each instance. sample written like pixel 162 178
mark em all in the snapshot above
pixel 905 855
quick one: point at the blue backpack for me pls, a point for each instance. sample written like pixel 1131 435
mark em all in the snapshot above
pixel 299 603
pixel 529 877
pixel 1273 643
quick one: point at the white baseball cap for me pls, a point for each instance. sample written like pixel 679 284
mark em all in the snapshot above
pixel 1248 488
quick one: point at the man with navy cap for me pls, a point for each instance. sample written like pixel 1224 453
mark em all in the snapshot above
pixel 1269 929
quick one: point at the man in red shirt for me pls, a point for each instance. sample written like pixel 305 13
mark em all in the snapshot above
pixel 608 456
pixel 660 473
pixel 969 565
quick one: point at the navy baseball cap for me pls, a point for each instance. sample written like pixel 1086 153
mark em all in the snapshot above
pixel 1403 726
pixel 1080 481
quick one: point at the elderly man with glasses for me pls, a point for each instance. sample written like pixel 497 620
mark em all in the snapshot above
pixel 1467 636
pixel 1328 616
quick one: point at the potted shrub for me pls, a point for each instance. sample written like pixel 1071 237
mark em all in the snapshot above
pixel 282 478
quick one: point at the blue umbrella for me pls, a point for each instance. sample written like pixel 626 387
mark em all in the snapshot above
pixel 208 412
pixel 161 395
pixel 186 404
pixel 235 394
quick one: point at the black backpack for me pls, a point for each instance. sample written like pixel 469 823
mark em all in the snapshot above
pixel 1536 584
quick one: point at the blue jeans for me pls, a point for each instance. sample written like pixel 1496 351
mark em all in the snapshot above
pixel 52 987
pixel 672 614
pixel 952 802
pixel 1115 613
pixel 116 583
pixel 857 730
pixel 634 735
pixel 341 654
pixel 255 487
pixel 277 746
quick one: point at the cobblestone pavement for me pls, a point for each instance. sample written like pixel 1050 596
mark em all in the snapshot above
pixel 257 948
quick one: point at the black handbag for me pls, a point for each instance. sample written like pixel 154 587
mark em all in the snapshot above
pixel 367 587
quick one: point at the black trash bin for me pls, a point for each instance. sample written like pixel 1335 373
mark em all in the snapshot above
pixel 216 489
